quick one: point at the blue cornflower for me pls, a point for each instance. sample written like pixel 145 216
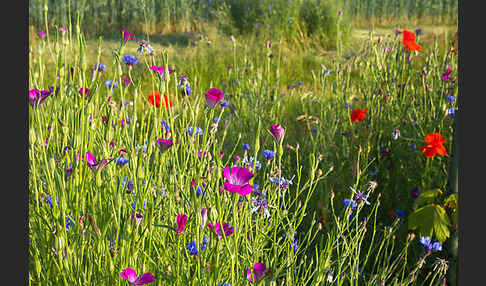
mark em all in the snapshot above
pixel 191 247
pixel 451 111
pixel 251 161
pixel 205 241
pixel 187 90
pixel 191 129
pixel 268 154
pixel 128 185
pixel 223 103
pixel 413 146
pixel 350 203
pixel 300 83
pixel 121 161
pixel 246 146
pixel 429 245
pixel 373 171
pixel 255 189
pixel 130 60
pixel 165 125
pixel 326 73
pixel 223 284
pixel 100 67
pixel 451 98
pixel 111 84
pixel 198 191
pixel 261 205
pixel 133 204
pixel 293 242
pixel 284 183
pixel 69 223
pixel 145 46
pixel 400 213
pixel 216 120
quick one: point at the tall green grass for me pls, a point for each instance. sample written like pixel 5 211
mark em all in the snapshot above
pixel 322 150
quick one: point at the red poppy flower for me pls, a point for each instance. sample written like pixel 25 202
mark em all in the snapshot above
pixel 154 98
pixel 358 115
pixel 409 41
pixel 434 145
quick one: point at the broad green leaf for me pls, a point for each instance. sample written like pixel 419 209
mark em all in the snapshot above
pixel 430 220
pixel 427 197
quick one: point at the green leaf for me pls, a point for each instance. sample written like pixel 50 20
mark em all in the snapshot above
pixel 430 220
pixel 427 197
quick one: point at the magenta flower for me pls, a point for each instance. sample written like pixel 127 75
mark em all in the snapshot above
pixel 213 96
pixel 160 70
pixel 130 275
pixel 204 215
pixel 259 269
pixel 127 36
pixel 126 81
pixel 237 180
pixel 219 228
pixel 181 222
pixel 94 165
pixel 84 91
pixel 36 97
pixel 164 144
pixel 277 131
pixel 42 34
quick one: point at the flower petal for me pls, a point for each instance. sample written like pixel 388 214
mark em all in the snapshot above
pixel 245 190
pixel 129 274
pixel 145 279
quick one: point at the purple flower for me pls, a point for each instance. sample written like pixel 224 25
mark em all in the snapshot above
pixel 360 196
pixel 397 32
pixel 237 180
pixel 130 275
pixel 414 193
pixel 204 217
pixel 277 131
pixel 68 172
pixel 223 103
pixel 164 144
pixel 36 97
pixel 62 31
pixel 213 96
pixel 219 228
pixel 42 34
pixel 138 217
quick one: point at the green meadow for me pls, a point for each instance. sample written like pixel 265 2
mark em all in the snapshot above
pixel 242 142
